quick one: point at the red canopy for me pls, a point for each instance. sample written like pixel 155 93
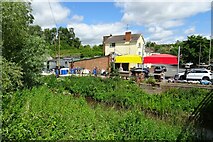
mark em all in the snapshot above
pixel 161 59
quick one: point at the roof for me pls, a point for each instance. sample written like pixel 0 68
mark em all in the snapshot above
pixel 121 38
pixel 161 59
pixel 162 55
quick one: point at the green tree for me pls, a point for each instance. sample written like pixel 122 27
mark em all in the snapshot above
pixel 98 50
pixel 190 49
pixel 16 18
pixel 150 44
pixel 34 53
pixel 19 46
pixel 35 30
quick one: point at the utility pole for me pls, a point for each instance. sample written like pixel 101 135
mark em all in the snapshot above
pixel 55 45
pixel 210 49
pixel 59 48
pixel 199 54
pixel 178 59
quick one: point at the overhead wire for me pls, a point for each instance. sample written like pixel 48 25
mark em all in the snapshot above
pixel 57 32
pixel 52 13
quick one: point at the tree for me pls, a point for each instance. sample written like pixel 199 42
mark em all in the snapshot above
pixel 191 49
pixel 150 44
pixel 34 53
pixel 35 30
pixel 19 47
pixel 16 18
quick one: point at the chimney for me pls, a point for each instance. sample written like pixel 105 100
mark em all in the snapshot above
pixel 127 36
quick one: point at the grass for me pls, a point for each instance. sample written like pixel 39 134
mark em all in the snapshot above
pixel 40 114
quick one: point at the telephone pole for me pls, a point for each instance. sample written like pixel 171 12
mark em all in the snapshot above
pixel 199 54
pixel 59 48
pixel 55 45
pixel 178 60
pixel 210 49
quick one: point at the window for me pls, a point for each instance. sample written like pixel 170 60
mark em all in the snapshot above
pixel 139 53
pixel 198 71
pixel 204 71
pixel 139 45
pixel 112 45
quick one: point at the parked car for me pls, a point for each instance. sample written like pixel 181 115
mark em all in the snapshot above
pixel 188 65
pixel 196 74
pixel 160 69
pixel 139 70
pixel 205 82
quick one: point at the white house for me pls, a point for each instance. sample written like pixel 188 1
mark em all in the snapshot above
pixel 127 44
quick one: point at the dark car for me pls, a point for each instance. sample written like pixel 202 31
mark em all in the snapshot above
pixel 160 69
pixel 139 70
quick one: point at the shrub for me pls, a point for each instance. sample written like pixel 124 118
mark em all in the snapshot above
pixel 150 80
pixel 11 76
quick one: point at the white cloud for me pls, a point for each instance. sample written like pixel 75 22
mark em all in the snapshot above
pixel 172 23
pixel 77 18
pixel 160 16
pixel 93 34
pixel 44 17
pixel 159 12
pixel 190 31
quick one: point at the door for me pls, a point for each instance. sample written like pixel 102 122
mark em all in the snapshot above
pixel 125 66
pixel 191 75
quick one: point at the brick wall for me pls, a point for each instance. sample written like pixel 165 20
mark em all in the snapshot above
pixel 99 62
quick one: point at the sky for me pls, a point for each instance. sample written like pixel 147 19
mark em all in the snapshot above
pixel 159 21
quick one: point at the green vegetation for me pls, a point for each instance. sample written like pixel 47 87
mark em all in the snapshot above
pixel 19 48
pixel 70 45
pixel 41 114
pixel 58 110
pixel 11 76
pixel 175 104
pixel 150 80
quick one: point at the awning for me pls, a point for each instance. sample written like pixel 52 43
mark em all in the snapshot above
pixel 161 59
pixel 128 59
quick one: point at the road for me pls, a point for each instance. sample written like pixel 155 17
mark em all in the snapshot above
pixel 171 71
